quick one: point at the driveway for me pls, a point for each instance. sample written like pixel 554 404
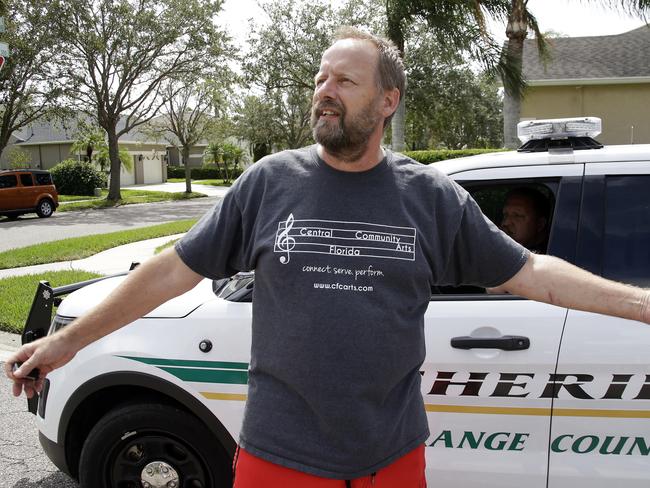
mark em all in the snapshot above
pixel 29 229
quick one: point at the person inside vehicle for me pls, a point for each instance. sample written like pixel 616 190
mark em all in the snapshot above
pixel 526 218
pixel 321 411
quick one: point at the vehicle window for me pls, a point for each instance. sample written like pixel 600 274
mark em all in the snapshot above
pixel 492 199
pixel 8 181
pixel 26 179
pixel 626 243
pixel 496 201
pixel 43 179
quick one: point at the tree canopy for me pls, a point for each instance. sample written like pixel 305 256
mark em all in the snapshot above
pixel 29 79
pixel 120 53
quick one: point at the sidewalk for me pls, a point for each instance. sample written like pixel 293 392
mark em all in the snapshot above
pixel 106 262
pixel 209 190
pixel 111 261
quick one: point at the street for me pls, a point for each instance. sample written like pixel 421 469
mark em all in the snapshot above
pixel 23 464
pixel 29 229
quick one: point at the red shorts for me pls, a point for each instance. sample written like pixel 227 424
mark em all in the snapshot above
pixel 252 472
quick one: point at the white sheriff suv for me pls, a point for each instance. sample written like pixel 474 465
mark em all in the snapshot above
pixel 518 393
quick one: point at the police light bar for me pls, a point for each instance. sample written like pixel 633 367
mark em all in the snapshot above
pixel 558 128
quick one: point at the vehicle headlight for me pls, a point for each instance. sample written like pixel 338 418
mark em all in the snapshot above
pixel 59 322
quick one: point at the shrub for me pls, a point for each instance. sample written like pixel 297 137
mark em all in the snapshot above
pixel 19 158
pixel 77 178
pixel 207 172
pixel 435 155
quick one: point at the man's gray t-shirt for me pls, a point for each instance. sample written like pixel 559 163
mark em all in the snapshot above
pixel 344 265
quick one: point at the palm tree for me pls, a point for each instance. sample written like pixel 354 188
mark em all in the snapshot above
pixel 460 24
pixel 520 20
pixel 455 24
pixel 92 142
pixel 214 154
pixel 90 139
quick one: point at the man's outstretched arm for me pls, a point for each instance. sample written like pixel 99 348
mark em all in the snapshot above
pixel 159 279
pixel 552 280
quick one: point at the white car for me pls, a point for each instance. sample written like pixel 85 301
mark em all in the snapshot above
pixel 517 393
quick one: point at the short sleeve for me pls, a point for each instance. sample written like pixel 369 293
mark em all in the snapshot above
pixel 481 254
pixel 214 247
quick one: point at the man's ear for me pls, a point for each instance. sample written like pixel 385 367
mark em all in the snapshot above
pixel 541 223
pixel 391 101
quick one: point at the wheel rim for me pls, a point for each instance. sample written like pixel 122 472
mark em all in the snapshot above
pixel 155 460
pixel 46 208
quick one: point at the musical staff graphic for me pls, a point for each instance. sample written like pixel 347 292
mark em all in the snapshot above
pixel 341 238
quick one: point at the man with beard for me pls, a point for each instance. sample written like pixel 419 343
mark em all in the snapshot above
pixel 346 240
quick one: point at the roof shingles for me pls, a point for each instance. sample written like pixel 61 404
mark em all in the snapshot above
pixel 624 55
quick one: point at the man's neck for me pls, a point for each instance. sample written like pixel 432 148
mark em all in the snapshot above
pixel 370 158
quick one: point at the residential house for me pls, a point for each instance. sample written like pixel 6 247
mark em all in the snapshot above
pixel 604 76
pixel 49 143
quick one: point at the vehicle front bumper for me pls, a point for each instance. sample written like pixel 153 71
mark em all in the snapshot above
pixel 56 453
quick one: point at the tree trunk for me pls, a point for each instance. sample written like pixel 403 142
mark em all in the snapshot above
pixel 395 34
pixel 397 125
pixel 113 154
pixel 260 149
pixel 516 31
pixel 188 171
pixel 511 115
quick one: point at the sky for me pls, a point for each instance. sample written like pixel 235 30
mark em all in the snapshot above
pixel 574 18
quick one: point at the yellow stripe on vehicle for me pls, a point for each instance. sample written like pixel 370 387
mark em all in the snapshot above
pixel 558 412
pixel 487 410
pixel 546 412
pixel 621 414
pixel 237 397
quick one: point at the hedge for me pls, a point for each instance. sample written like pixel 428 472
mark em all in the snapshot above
pixel 202 173
pixel 435 155
pixel 424 157
pixel 73 177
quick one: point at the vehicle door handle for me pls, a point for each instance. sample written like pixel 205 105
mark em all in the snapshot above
pixel 505 343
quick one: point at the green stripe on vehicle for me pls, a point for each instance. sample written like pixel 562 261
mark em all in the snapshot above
pixel 209 375
pixel 189 363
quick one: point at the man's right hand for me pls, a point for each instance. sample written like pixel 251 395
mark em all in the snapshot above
pixel 45 354
pixel 154 282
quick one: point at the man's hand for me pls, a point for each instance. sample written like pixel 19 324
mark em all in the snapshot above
pixel 45 354
pixel 159 279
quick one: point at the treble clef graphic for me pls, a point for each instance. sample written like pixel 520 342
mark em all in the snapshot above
pixel 284 241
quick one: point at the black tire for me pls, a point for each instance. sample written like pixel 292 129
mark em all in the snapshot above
pixel 127 439
pixel 45 208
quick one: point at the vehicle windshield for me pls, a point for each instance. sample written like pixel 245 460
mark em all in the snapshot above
pixel 237 288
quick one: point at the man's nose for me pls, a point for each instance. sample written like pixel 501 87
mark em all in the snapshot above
pixel 326 90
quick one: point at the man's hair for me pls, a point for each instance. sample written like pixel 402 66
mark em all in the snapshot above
pixel 540 203
pixel 390 67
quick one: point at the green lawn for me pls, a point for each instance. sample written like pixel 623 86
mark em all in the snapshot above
pixel 200 182
pixel 81 247
pixel 75 198
pixel 160 249
pixel 17 294
pixel 213 182
pixel 128 197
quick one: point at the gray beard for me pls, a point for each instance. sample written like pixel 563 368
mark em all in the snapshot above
pixel 346 142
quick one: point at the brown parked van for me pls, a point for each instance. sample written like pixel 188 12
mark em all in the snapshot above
pixel 27 190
